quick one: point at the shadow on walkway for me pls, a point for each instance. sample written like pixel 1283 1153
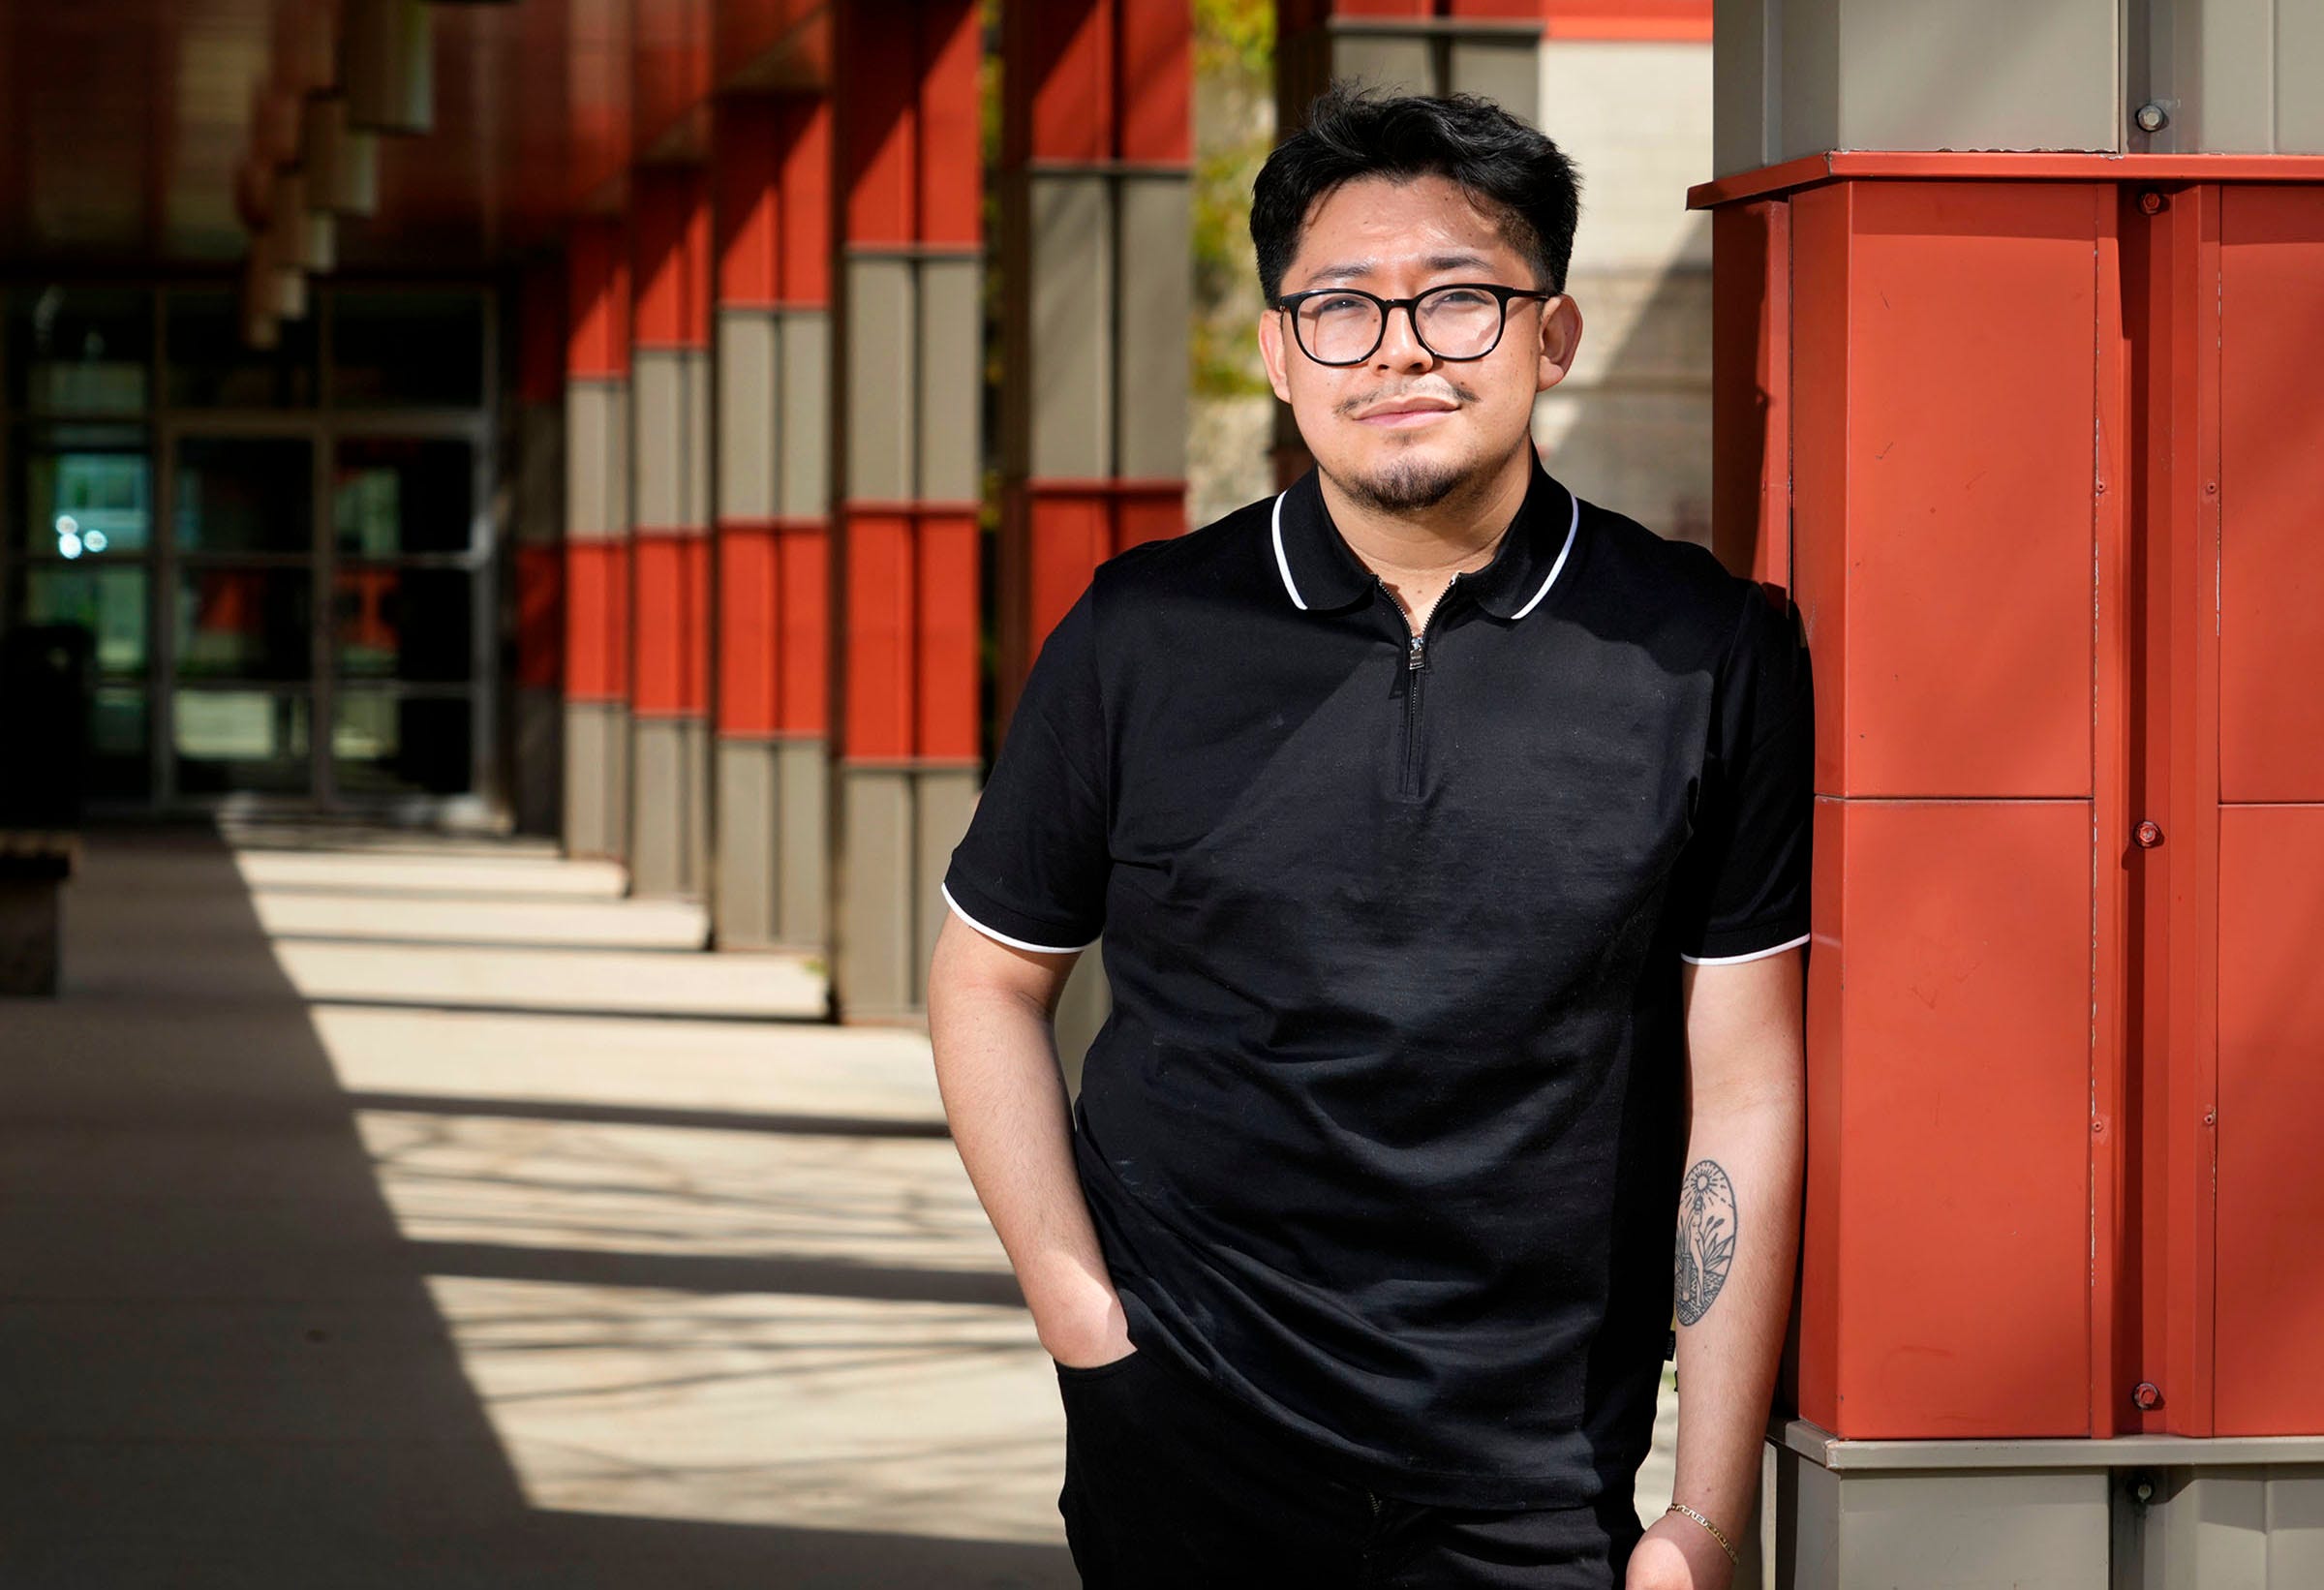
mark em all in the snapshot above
pixel 224 1317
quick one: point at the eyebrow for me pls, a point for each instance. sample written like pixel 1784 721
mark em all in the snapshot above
pixel 1352 269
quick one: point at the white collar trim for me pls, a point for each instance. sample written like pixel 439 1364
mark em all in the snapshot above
pixel 1282 563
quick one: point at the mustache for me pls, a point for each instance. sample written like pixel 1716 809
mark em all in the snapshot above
pixel 1364 400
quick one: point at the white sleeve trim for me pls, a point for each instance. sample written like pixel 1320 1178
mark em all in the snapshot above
pixel 1754 954
pixel 999 937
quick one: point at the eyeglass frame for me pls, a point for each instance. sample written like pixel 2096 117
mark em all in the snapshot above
pixel 1289 302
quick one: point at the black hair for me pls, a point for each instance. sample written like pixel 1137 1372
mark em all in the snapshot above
pixel 1497 160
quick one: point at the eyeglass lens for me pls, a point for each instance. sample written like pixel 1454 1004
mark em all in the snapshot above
pixel 1453 323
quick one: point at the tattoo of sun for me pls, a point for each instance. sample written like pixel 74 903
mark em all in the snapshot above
pixel 1707 1238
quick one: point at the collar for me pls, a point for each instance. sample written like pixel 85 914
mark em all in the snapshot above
pixel 1322 573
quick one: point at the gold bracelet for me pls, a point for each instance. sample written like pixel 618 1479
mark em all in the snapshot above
pixel 1681 1506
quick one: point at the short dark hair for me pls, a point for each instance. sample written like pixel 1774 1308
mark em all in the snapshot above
pixel 1498 161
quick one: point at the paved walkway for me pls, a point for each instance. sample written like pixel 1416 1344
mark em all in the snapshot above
pixel 394 1211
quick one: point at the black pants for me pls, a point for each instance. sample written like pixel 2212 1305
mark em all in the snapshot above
pixel 1170 1483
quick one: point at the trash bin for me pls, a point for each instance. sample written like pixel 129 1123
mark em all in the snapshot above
pixel 47 684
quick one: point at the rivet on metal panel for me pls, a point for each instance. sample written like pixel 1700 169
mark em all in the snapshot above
pixel 2151 117
pixel 2211 1118
pixel 2150 835
pixel 2100 488
pixel 2211 488
pixel 2150 203
pixel 2146 1394
pixel 2097 1128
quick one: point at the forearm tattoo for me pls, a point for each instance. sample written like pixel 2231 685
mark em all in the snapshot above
pixel 1707 1238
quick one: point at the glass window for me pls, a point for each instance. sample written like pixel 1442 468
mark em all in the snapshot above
pixel 244 494
pixel 230 740
pixel 244 623
pixel 82 491
pixel 408 624
pixel 388 744
pixel 412 348
pixel 107 603
pixel 393 495
pixel 209 366
pixel 79 350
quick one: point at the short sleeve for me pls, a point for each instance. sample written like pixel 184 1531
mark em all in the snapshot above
pixel 1033 867
pixel 1742 885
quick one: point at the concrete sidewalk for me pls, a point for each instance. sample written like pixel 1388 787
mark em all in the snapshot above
pixel 389 1211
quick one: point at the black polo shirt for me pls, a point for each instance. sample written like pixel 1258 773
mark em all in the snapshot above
pixel 1383 1134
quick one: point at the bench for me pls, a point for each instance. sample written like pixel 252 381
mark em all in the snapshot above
pixel 34 865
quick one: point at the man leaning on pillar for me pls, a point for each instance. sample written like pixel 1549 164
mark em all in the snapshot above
pixel 1449 835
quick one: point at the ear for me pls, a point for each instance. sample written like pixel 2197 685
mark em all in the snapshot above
pixel 1560 340
pixel 1270 349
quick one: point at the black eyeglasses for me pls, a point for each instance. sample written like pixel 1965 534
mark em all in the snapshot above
pixel 1346 324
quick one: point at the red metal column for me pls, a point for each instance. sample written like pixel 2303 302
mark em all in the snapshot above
pixel 670 427
pixel 908 157
pixel 596 547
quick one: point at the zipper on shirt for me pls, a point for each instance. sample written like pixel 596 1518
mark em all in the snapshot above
pixel 1416 669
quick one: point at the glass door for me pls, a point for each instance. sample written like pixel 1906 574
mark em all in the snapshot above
pixel 239 578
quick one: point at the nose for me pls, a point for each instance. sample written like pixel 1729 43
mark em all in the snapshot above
pixel 1400 347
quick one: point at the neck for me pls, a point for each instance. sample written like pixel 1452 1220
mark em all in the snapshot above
pixel 1431 544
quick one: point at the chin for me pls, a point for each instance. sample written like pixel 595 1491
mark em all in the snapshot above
pixel 1407 477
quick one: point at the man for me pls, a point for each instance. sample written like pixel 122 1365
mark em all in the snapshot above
pixel 1448 836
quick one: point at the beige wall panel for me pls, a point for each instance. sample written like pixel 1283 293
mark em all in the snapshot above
pixel 803 414
pixel 873 973
pixel 2299 81
pixel 1804 107
pixel 1504 70
pixel 657 437
pixel 1644 453
pixel 596 459
pixel 1071 367
pixel 1743 85
pixel 1637 120
pixel 596 779
pixel 744 896
pixel 695 437
pixel 1807 1532
pixel 698 748
pixel 745 416
pixel 1642 329
pixel 1157 294
pixel 657 825
pixel 2040 1529
pixel 950 390
pixel 2213 66
pixel 803 842
pixel 882 379
pixel 943 798
pixel 1398 63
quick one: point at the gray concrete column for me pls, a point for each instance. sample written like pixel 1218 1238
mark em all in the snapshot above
pixel 596 713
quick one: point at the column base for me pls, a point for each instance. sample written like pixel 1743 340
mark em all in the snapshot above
pixel 774 844
pixel 2136 1512
pixel 596 779
pixel 669 832
pixel 900 824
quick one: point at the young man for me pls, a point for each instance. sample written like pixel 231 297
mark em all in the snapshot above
pixel 1449 835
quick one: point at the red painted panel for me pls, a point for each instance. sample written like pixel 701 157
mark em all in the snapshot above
pixel 948 654
pixel 658 664
pixel 598 300
pixel 950 167
pixel 1157 82
pixel 876 107
pixel 1147 511
pixel 1061 60
pixel 671 217
pixel 539 615
pixel 880 613
pixel 1676 20
pixel 2270 1298
pixel 749 617
pixel 1382 7
pixel 1819 385
pixel 747 159
pixel 1968 457
pixel 1963 1252
pixel 805 195
pixel 1492 11
pixel 1751 390
pixel 2272 477
pixel 670 58
pixel 597 621
pixel 1070 532
pixel 803 671
pixel 693 611
pixel 1813 1372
